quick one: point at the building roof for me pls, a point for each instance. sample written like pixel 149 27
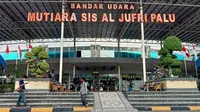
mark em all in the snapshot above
pixel 14 24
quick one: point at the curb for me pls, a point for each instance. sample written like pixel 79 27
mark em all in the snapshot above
pixel 55 109
pixel 166 108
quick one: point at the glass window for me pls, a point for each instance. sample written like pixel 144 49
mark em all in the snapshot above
pixel 71 48
pixel 104 48
pixel 79 48
pixel 51 49
pixel 110 48
pixel 124 48
pixel 57 49
pixel 132 49
pixel 65 49
pixel 87 48
pixel 116 48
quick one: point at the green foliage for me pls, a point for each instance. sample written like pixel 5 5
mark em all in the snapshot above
pixel 175 64
pixel 167 59
pixel 176 71
pixel 160 64
pixel 44 66
pixel 161 58
pixel 32 69
pixel 174 56
pixel 169 55
pixel 11 87
pixel 28 55
pixel 172 43
pixel 43 55
pixel 29 60
pixel 2 88
pixel 36 60
pixel 39 71
pixel 32 65
pixel 36 50
pixel 163 51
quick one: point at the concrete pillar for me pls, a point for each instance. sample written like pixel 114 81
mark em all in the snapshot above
pixel 69 82
pixel 143 46
pixel 74 71
pixel 118 47
pixel 120 78
pixel 161 43
pixel 75 55
pixel 61 47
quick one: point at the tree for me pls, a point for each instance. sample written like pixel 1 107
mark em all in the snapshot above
pixel 167 59
pixel 172 43
pixel 36 60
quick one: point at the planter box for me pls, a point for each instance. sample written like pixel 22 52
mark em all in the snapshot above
pixel 36 84
pixel 178 84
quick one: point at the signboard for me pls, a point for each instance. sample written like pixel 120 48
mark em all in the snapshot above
pixel 100 17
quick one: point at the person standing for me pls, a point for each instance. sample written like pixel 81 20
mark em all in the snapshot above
pixel 83 92
pixel 21 91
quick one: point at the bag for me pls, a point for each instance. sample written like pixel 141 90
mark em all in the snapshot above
pixel 19 89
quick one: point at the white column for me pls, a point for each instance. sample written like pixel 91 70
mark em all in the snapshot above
pixel 185 63
pixel 196 70
pixel 27 67
pixel 16 64
pixel 118 47
pixel 61 46
pixel 74 71
pixel 120 78
pixel 28 50
pixel 69 82
pixel 143 47
pixel 75 55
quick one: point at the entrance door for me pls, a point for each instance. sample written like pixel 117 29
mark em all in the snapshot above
pixel 107 85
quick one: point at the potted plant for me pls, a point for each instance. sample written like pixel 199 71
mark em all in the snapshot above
pixel 168 60
pixel 39 68
pixel 169 66
pixel 36 61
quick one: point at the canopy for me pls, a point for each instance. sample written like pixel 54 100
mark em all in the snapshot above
pixel 15 24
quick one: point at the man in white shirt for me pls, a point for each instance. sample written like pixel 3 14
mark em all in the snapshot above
pixel 83 92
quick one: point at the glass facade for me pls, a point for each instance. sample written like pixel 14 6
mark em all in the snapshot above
pixel 84 51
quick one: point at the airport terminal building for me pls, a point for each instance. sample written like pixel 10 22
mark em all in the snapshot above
pixel 104 42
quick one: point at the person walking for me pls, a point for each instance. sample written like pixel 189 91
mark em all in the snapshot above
pixel 83 92
pixel 21 91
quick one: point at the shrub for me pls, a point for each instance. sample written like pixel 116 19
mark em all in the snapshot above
pixel 176 71
pixel 167 59
pixel 37 50
pixel 36 59
pixel 43 55
pixel 172 43
pixel 175 64
pixel 163 51
pixel 28 55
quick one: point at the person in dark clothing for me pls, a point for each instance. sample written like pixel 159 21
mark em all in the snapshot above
pixel 21 92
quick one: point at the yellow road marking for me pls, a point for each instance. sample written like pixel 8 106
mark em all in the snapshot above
pixel 161 108
pixel 42 110
pixel 194 107
pixel 83 108
pixel 4 109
